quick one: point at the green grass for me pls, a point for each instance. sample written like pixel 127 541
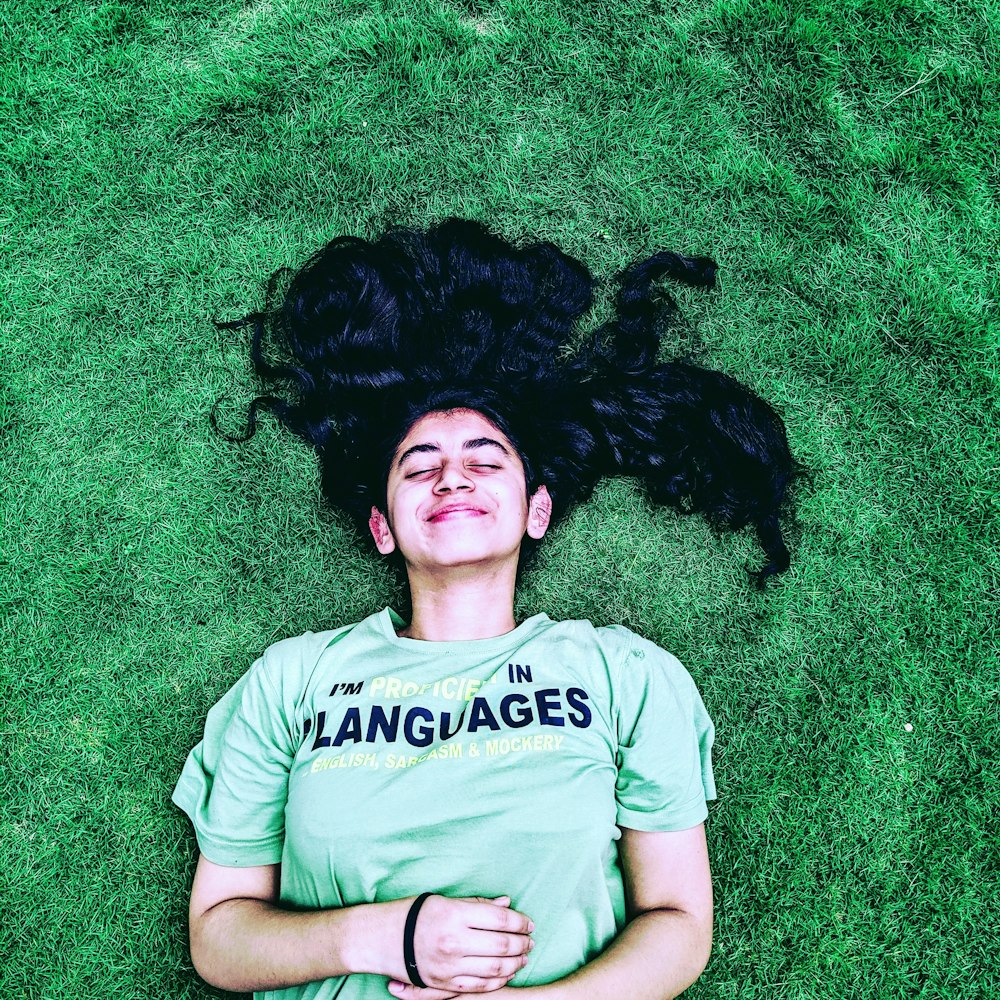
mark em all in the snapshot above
pixel 838 159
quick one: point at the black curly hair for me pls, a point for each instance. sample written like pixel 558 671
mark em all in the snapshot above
pixel 376 334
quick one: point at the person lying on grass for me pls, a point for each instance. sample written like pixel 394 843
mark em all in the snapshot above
pixel 456 802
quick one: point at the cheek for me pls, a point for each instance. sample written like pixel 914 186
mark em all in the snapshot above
pixel 514 501
pixel 404 515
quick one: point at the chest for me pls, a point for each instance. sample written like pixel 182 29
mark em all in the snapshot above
pixel 451 779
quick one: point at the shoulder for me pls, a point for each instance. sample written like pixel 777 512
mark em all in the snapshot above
pixel 631 662
pixel 582 641
pixel 289 663
pixel 614 643
pixel 616 653
pixel 638 650
pixel 305 647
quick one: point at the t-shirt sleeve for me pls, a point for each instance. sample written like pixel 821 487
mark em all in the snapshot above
pixel 234 784
pixel 665 741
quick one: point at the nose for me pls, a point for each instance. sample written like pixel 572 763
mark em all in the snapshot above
pixel 452 477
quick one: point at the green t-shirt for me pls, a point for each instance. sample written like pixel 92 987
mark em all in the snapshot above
pixel 374 767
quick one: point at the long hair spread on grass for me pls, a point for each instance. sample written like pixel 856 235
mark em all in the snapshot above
pixel 370 336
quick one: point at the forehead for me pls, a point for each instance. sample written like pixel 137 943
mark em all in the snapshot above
pixel 446 428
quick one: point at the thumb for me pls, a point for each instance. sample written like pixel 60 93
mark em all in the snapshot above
pixel 493 901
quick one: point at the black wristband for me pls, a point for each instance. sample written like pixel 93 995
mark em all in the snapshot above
pixel 409 959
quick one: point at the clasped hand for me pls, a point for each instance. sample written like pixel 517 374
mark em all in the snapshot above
pixel 466 945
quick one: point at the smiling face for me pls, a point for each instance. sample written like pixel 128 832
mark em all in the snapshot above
pixel 456 496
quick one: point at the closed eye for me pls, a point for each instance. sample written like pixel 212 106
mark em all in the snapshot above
pixel 478 466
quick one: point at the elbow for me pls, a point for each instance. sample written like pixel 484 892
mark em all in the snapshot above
pixel 215 974
pixel 699 946
pixel 201 959
pixel 702 950
pixel 206 956
pixel 691 945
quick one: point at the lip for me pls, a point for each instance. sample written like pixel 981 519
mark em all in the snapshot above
pixel 455 510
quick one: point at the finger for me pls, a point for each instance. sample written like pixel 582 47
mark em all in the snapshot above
pixel 496 943
pixel 489 968
pixel 406 991
pixel 468 984
pixel 491 917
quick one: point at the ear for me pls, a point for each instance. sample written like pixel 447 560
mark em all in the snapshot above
pixel 539 512
pixel 379 527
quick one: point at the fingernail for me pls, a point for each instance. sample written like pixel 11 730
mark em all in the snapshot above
pixel 531 926
pixel 531 944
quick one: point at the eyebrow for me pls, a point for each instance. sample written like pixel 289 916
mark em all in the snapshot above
pixel 471 445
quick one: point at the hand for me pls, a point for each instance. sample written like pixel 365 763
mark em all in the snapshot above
pixel 469 945
pixel 407 992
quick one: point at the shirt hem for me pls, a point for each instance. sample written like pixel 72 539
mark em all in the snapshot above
pixel 651 823
pixel 230 853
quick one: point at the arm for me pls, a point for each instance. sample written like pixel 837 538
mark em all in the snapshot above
pixel 242 940
pixel 664 947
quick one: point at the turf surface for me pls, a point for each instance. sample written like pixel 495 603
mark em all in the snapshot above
pixel 838 159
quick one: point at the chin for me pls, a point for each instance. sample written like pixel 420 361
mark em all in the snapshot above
pixel 471 557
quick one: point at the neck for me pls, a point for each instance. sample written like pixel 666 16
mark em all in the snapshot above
pixel 463 605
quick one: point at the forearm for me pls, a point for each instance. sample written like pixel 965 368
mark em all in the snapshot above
pixel 249 944
pixel 658 955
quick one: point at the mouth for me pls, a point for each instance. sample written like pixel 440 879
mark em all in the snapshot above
pixel 455 511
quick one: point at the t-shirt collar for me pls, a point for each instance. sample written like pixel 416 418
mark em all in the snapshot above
pixel 390 620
